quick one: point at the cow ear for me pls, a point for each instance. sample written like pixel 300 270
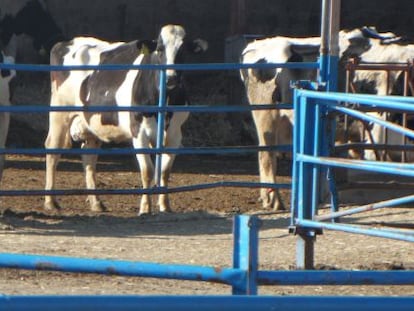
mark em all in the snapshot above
pixel 357 46
pixel 146 46
pixel 199 46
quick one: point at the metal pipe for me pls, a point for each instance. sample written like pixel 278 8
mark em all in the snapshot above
pixel 190 67
pixel 373 166
pixel 334 27
pixel 389 125
pixel 367 207
pixel 245 253
pixel 339 277
pixel 324 48
pixel 332 99
pixel 205 303
pixel 162 102
pixel 155 190
pixel 125 151
pixel 357 230
pixel 147 109
pixel 119 267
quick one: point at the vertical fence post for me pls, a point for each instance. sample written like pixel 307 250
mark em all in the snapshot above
pixel 245 253
pixel 161 120
pixel 305 237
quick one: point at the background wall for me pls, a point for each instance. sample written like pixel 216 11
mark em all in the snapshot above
pixel 211 19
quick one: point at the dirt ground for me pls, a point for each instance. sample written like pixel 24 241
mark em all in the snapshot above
pixel 199 231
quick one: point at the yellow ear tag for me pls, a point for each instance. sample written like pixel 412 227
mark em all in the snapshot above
pixel 145 50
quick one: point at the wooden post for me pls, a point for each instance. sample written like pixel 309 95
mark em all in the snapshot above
pixel 237 17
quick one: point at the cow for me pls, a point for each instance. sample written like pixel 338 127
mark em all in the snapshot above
pixel 383 48
pixel 31 18
pixel 6 76
pixel 117 88
pixel 273 86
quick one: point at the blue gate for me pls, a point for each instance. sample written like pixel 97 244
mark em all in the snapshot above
pixel 314 159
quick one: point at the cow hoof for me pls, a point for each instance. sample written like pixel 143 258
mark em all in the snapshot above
pixel 165 210
pixel 52 206
pixel 145 208
pixel 143 214
pixel 279 207
pixel 266 203
pixel 98 207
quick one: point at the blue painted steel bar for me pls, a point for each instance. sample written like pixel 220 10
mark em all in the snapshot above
pixel 125 151
pixel 363 116
pixel 205 66
pixel 318 140
pixel 120 267
pixel 245 253
pixel 193 108
pixel 303 186
pixel 347 146
pixel 160 126
pixel 333 99
pixel 391 234
pixel 355 97
pixel 381 167
pixel 368 207
pixel 325 36
pixel 155 190
pixel 205 303
pixel 334 28
pixel 339 277
pixel 295 164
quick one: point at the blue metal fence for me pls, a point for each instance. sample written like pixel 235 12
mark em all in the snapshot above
pixel 244 277
pixel 311 155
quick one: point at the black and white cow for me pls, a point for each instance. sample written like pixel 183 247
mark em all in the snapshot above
pixel 31 18
pixel 117 88
pixel 5 77
pixel 270 86
pixel 383 48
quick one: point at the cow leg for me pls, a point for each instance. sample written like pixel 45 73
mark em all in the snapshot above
pixel 146 167
pixel 167 161
pixel 57 137
pixel 172 139
pixel 266 126
pixel 4 128
pixel 89 165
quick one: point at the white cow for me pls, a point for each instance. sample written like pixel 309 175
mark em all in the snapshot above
pixel 5 77
pixel 117 88
pixel 272 86
pixel 377 82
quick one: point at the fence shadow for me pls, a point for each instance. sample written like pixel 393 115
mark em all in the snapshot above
pixel 155 226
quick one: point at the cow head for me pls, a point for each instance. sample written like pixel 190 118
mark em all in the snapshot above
pixel 355 42
pixel 35 21
pixel 6 75
pixel 172 48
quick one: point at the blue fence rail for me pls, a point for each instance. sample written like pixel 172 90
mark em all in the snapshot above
pixel 204 303
pixel 244 277
pixel 160 108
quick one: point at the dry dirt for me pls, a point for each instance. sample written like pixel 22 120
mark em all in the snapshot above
pixel 197 232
